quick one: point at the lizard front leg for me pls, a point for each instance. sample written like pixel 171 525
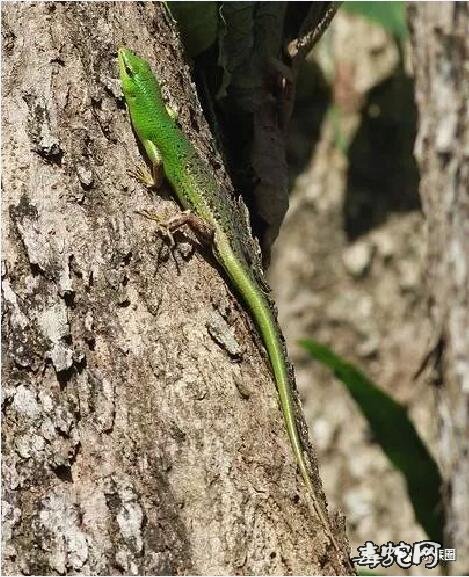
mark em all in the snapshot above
pixel 154 178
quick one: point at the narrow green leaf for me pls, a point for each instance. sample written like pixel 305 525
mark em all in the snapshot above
pixel 396 434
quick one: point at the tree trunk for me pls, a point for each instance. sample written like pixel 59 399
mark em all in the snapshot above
pixel 142 433
pixel 441 49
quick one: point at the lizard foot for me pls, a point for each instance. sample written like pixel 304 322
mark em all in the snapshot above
pixel 149 179
pixel 162 225
pixel 202 229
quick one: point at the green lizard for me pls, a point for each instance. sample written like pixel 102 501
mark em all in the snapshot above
pixel 197 190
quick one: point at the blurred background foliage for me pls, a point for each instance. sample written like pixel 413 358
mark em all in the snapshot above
pixel 347 272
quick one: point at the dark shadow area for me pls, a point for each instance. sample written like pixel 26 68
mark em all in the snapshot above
pixel 313 97
pixel 382 176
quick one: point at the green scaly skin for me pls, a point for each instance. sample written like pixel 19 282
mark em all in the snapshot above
pixel 197 190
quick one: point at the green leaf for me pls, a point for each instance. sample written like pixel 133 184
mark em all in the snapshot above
pixel 396 434
pixel 389 15
pixel 197 23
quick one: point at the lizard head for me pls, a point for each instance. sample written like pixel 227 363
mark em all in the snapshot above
pixel 143 96
pixel 134 72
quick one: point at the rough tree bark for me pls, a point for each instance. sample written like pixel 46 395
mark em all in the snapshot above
pixel 141 428
pixel 441 49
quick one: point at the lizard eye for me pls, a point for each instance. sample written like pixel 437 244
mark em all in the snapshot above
pixel 129 71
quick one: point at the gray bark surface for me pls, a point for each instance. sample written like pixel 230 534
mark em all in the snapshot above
pixel 141 428
pixel 441 49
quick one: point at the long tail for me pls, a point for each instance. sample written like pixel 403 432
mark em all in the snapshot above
pixel 267 326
